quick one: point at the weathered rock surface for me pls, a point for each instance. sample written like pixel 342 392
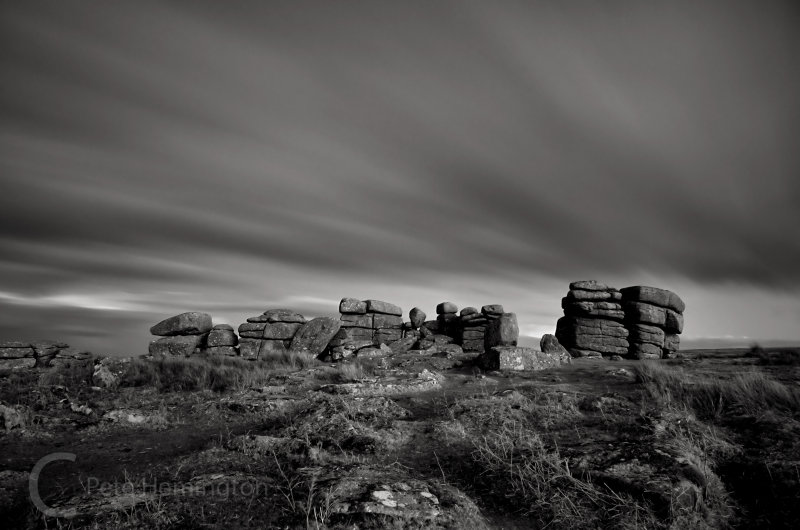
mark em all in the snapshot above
pixel 549 344
pixel 222 336
pixel 446 307
pixel 376 306
pixel 313 337
pixel 417 317
pixel 503 331
pixel 176 345
pixel 642 313
pixel 258 349
pixel 653 295
pixel 191 323
pixel 646 333
pixel 520 358
pixel 274 316
pixel 352 306
pixel 492 310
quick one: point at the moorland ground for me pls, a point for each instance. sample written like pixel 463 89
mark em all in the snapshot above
pixel 708 440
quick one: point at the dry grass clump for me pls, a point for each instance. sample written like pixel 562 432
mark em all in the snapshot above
pixel 751 393
pixel 211 372
pixel 537 483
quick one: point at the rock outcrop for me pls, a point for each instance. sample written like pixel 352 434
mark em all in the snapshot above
pixel 269 333
pixel 654 318
pixel 601 321
pixel 366 324
pixel 38 354
pixel 181 334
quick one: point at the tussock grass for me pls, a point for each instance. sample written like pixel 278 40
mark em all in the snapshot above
pixel 536 482
pixel 71 374
pixel 752 393
pixel 214 373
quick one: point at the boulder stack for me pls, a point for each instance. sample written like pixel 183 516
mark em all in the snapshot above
pixel 181 334
pixel 592 325
pixel 366 324
pixel 473 329
pixel 501 331
pixel 222 340
pixel 638 322
pixel 448 322
pixel 269 333
pixel 654 318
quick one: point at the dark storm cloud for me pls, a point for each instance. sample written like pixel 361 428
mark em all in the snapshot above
pixel 139 142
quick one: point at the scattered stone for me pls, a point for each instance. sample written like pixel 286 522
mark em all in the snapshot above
pixel 104 377
pixel 12 417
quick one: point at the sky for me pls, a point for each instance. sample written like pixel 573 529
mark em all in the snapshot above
pixel 233 157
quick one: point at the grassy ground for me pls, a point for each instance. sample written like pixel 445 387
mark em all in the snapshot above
pixel 707 441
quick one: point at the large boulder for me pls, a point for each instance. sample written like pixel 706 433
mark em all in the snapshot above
pixel 354 320
pixel 643 313
pixel 417 317
pixel 644 350
pixel 265 330
pixel 376 306
pixel 503 331
pixel 352 306
pixel 184 324
pixel 521 358
pixel 598 309
pixel 646 333
pixel 446 307
pixel 550 344
pixel 653 295
pixel 569 327
pixel 492 310
pixel 253 349
pixel 222 335
pixel 590 285
pixel 178 345
pixel 673 322
pixel 313 337
pixel 274 316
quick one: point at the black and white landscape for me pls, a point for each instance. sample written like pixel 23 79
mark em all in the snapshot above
pixel 450 264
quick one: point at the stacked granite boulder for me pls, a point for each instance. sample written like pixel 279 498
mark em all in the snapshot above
pixel 222 340
pixel 447 320
pixel 182 334
pixel 366 324
pixel 654 318
pixel 269 333
pixel 638 322
pixel 473 329
pixel 593 321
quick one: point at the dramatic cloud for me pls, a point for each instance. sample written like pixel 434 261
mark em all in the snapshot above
pixel 159 157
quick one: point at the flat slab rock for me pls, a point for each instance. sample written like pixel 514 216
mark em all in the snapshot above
pixel 520 358
pixel 425 380
pixel 191 323
pixel 363 492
